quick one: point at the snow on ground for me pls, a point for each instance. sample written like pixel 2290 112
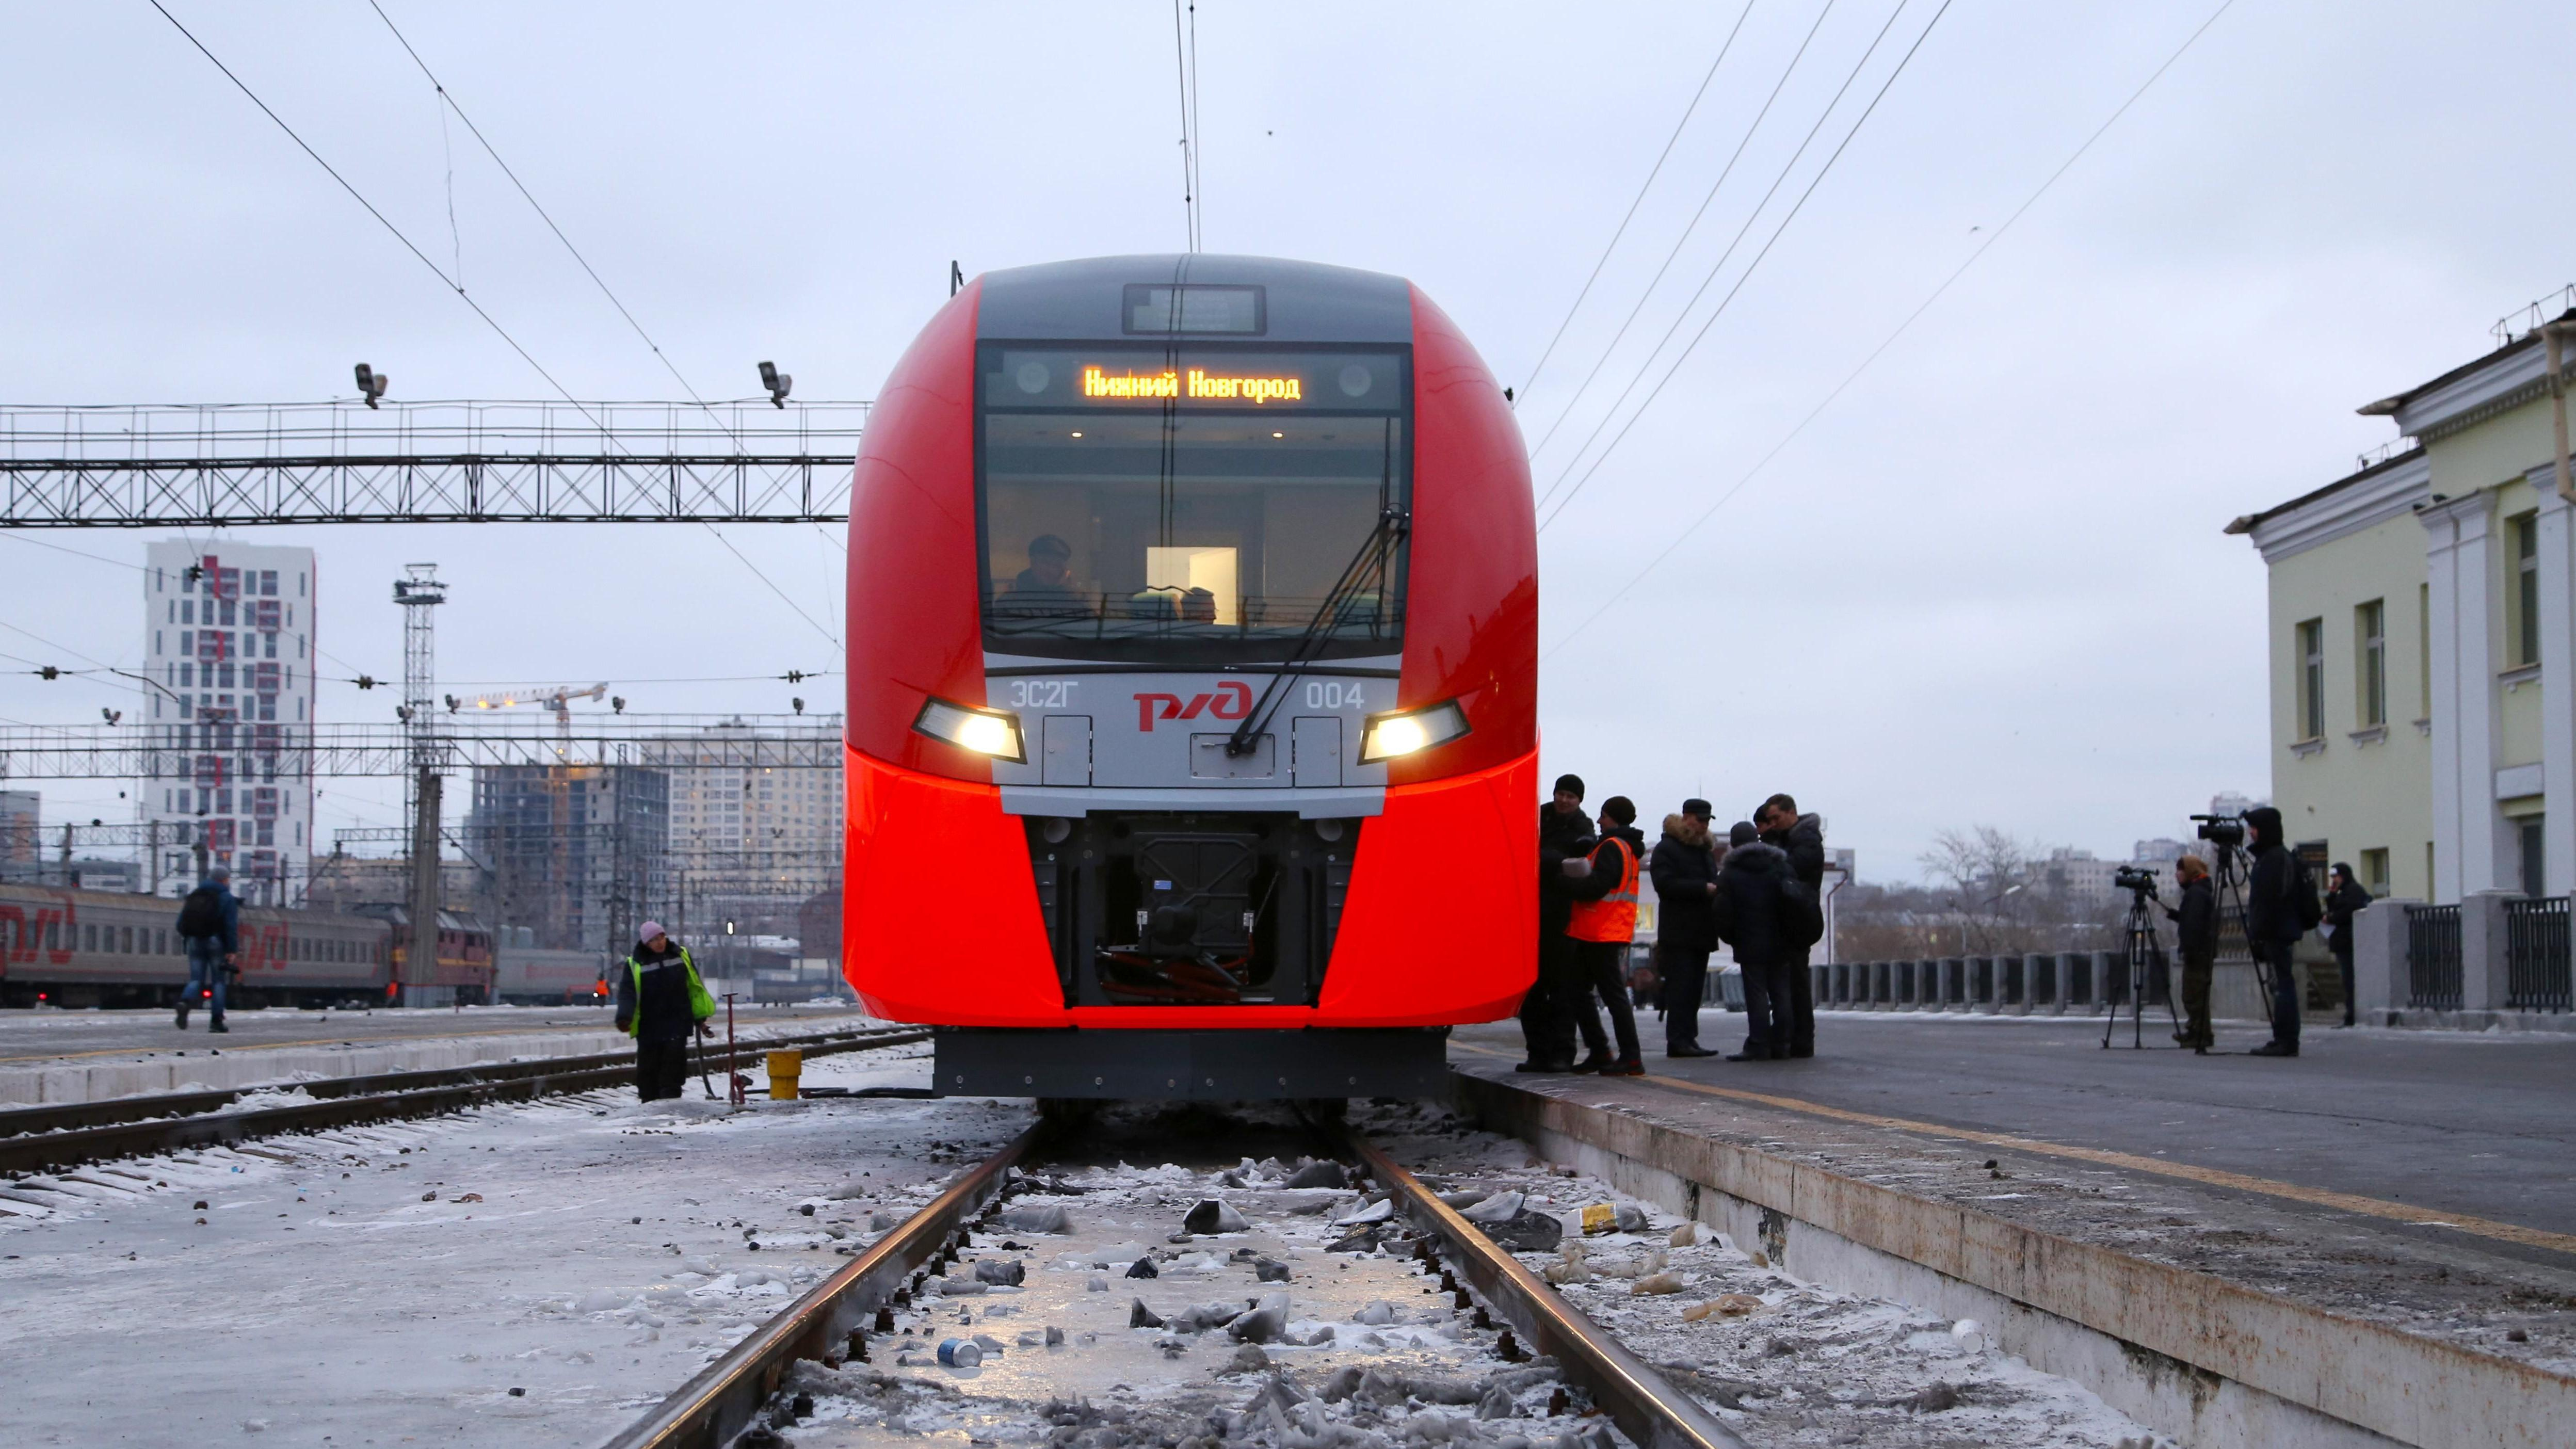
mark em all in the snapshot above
pixel 538 1274
pixel 395 1284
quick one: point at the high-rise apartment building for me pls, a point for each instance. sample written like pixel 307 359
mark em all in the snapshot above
pixel 229 635
pixel 752 843
pixel 18 844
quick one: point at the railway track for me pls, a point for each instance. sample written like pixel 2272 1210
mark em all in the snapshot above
pixel 745 1397
pixel 38 1139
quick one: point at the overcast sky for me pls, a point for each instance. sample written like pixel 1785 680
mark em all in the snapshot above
pixel 1987 585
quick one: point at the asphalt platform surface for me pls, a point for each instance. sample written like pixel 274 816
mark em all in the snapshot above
pixel 2472 1123
pixel 41 1037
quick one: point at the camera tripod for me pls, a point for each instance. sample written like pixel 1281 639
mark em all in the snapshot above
pixel 2146 958
pixel 2231 872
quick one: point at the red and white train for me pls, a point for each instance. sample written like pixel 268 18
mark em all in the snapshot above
pixel 96 948
pixel 1192 685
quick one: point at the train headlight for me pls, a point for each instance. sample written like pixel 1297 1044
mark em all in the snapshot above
pixel 991 732
pixel 1386 736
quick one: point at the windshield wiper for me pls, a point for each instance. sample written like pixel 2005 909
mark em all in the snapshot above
pixel 1392 526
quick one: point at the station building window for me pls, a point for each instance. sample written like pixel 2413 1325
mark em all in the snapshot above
pixel 2312 679
pixel 2526 589
pixel 2374 871
pixel 2370 673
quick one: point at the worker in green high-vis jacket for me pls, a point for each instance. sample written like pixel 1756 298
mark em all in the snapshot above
pixel 660 1002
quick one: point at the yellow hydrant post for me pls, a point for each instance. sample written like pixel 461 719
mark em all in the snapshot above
pixel 784 1068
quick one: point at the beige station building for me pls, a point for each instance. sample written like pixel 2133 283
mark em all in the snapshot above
pixel 2420 618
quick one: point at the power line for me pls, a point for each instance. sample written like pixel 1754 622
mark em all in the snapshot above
pixel 449 101
pixel 1749 268
pixel 435 270
pixel 76 553
pixel 1900 329
pixel 1687 230
pixel 1185 67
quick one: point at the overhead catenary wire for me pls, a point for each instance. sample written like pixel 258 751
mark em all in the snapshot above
pixel 1185 62
pixel 1631 215
pixel 1689 229
pixel 447 100
pixel 1750 268
pixel 1898 331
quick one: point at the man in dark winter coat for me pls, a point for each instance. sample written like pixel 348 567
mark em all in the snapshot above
pixel 1547 1026
pixel 210 924
pixel 1751 914
pixel 660 1003
pixel 2345 899
pixel 1603 924
pixel 1803 837
pixel 1684 865
pixel 2196 928
pixel 2272 924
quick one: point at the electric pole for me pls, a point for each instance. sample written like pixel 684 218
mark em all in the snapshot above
pixel 418 592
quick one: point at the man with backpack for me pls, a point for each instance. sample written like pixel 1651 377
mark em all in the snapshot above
pixel 1803 837
pixel 2281 905
pixel 210 923
pixel 1763 912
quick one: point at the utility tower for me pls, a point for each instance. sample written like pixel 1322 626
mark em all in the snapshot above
pixel 419 591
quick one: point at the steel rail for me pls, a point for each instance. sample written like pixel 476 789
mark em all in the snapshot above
pixel 726 1396
pixel 1651 1412
pixel 40 1148
pixel 65 1116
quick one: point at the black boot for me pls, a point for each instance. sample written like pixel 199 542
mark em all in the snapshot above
pixel 2276 1048
pixel 183 1014
pixel 1596 1062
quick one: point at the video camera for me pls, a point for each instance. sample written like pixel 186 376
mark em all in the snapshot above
pixel 2136 879
pixel 2227 831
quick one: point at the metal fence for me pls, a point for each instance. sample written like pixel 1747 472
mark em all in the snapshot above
pixel 2433 976
pixel 2536 962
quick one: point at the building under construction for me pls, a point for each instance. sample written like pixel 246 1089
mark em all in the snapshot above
pixel 577 855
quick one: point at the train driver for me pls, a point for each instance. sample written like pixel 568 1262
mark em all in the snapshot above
pixel 1047 587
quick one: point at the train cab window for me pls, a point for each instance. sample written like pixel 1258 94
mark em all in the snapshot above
pixel 1201 505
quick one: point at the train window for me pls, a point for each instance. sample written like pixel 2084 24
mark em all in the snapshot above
pixel 1192 506
pixel 89 938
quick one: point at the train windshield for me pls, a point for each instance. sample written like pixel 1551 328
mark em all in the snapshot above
pixel 1193 505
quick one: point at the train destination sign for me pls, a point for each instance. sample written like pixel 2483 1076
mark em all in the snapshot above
pixel 1196 383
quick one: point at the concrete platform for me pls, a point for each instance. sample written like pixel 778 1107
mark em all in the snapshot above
pixel 85 1056
pixel 2337 1249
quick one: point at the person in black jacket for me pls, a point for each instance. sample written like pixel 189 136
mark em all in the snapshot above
pixel 1803 837
pixel 2345 898
pixel 1750 910
pixel 1684 865
pixel 2196 927
pixel 1547 1022
pixel 2272 924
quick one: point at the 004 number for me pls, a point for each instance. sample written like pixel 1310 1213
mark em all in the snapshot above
pixel 1324 694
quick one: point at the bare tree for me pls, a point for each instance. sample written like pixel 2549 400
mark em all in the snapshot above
pixel 1987 874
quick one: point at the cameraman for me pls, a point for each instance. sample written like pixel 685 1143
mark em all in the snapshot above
pixel 2196 929
pixel 2273 922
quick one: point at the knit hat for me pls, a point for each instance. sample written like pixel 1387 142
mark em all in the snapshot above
pixel 1621 809
pixel 1570 785
pixel 1742 833
pixel 645 933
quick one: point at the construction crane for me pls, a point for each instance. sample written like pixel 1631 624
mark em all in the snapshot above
pixel 557 698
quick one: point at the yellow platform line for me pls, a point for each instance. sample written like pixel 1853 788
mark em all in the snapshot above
pixel 2161 1167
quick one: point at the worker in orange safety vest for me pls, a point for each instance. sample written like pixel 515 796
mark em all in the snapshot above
pixel 1603 923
